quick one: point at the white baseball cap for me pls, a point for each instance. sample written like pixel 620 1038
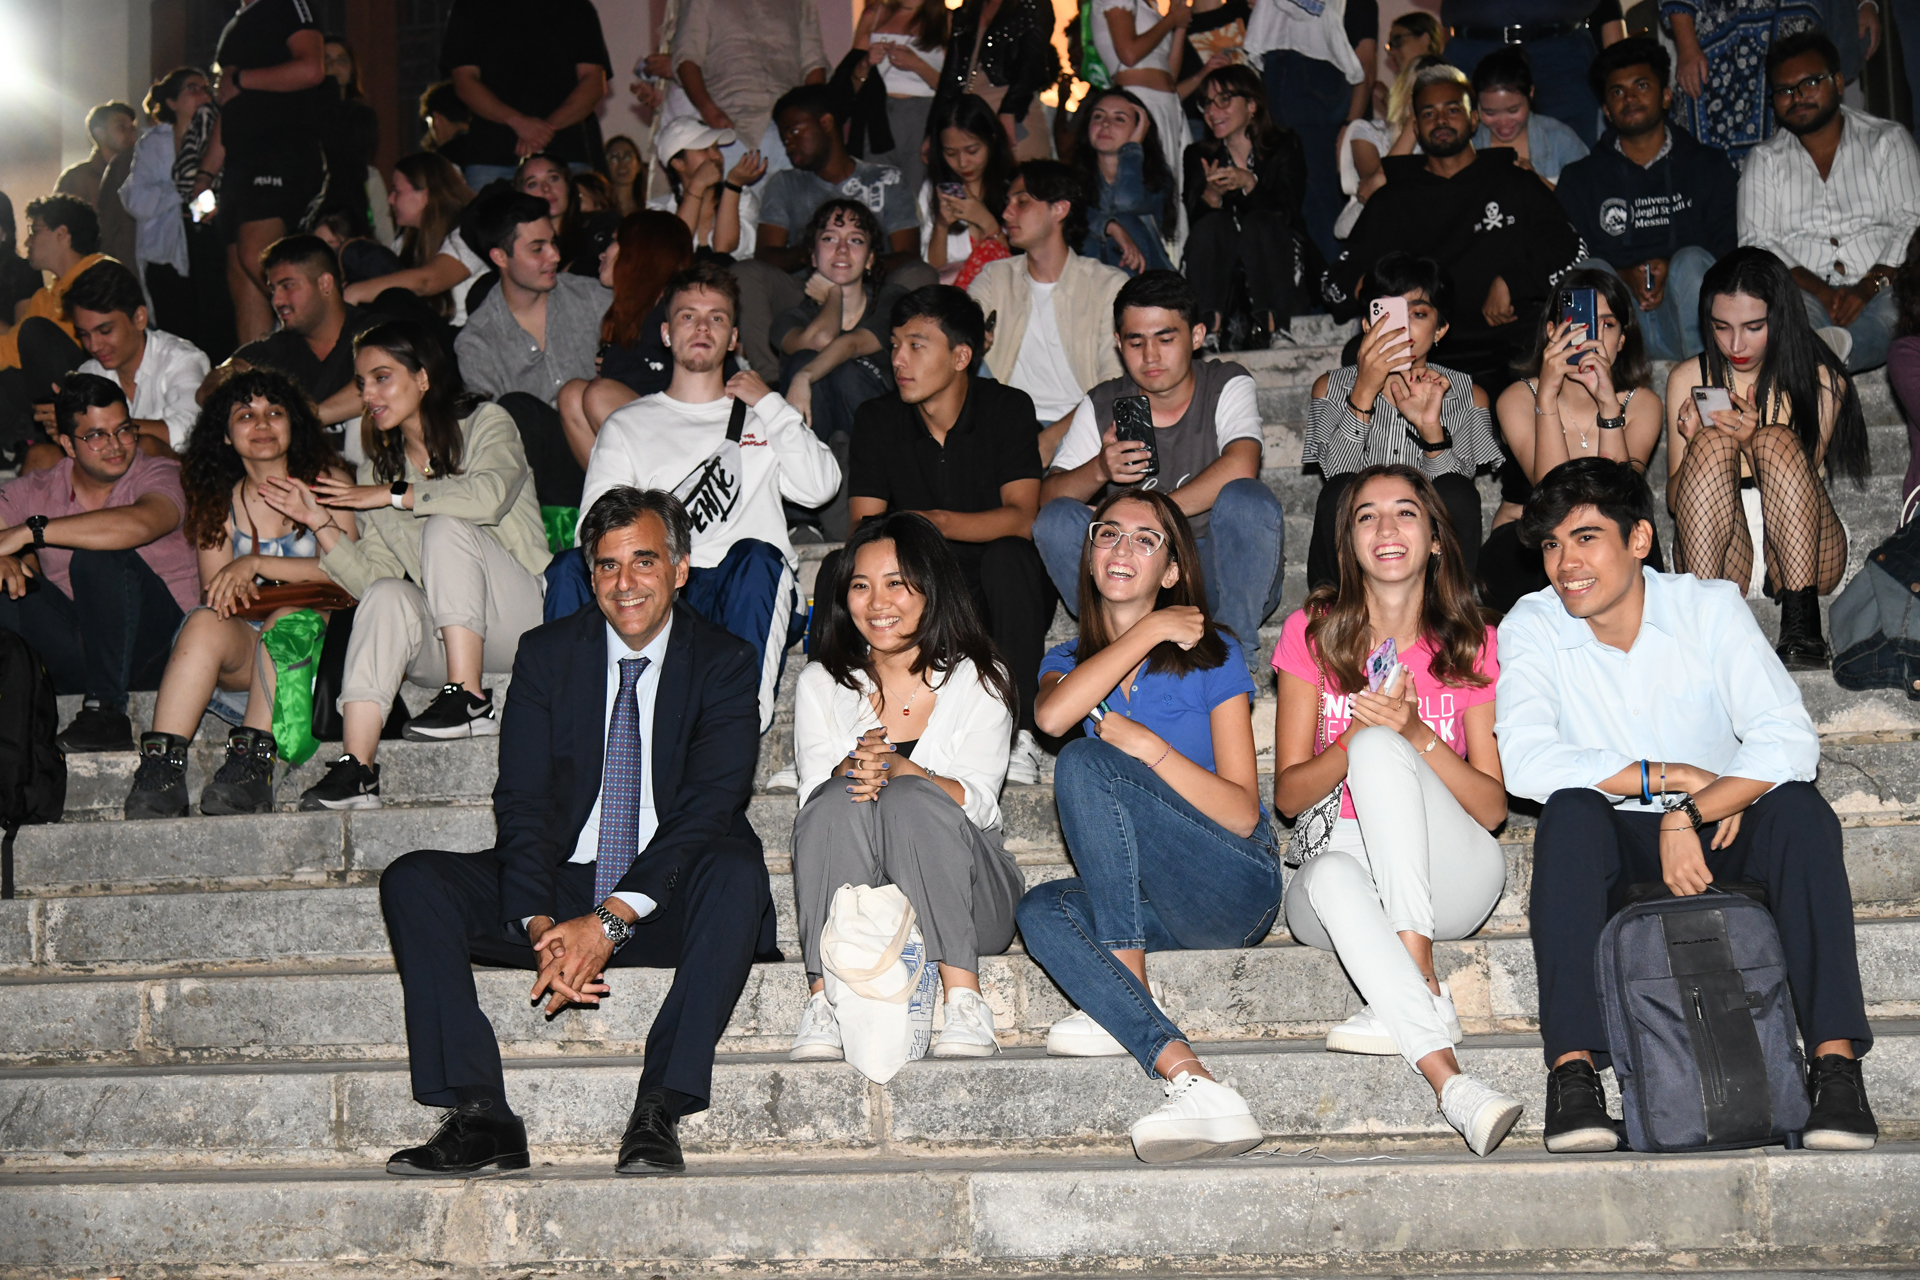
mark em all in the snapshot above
pixel 688 133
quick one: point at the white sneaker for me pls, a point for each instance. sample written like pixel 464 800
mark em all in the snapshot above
pixel 1078 1036
pixel 1443 1005
pixel 818 1039
pixel 1024 764
pixel 1838 340
pixel 968 1032
pixel 786 779
pixel 1201 1117
pixel 1364 1032
pixel 1482 1115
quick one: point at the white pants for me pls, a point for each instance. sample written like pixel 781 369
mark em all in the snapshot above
pixel 1413 861
pixel 470 581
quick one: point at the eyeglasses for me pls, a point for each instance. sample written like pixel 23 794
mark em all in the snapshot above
pixel 1800 88
pixel 97 440
pixel 1106 535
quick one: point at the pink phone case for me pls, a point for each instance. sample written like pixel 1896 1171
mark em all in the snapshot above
pixel 1393 313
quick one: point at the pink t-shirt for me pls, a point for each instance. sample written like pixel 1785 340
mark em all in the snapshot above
pixel 49 493
pixel 1443 707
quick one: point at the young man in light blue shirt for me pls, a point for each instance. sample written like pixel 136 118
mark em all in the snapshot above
pixel 1650 716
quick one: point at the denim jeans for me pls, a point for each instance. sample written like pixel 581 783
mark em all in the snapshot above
pixel 1872 329
pixel 1671 330
pixel 1155 873
pixel 1311 98
pixel 1559 77
pixel 1242 588
pixel 113 634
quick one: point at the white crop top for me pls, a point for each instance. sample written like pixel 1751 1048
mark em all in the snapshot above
pixel 1159 58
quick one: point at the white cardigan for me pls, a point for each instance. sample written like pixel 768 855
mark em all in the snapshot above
pixel 967 738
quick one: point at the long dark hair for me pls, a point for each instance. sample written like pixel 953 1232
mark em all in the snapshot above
pixel 949 629
pixel 1630 367
pixel 1795 357
pixel 445 402
pixel 1190 589
pixel 1338 631
pixel 969 113
pixel 211 466
pixel 1153 161
pixel 1240 81
pixel 447 196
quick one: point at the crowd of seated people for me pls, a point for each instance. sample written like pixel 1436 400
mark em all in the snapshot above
pixel 579 426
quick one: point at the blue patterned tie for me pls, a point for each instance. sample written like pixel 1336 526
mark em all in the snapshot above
pixel 620 786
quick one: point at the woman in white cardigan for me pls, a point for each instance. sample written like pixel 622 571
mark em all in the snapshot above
pixel 901 730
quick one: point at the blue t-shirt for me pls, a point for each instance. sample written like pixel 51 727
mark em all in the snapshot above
pixel 1178 708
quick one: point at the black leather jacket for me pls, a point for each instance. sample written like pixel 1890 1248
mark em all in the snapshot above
pixel 1017 52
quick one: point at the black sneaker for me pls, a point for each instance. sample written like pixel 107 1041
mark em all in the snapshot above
pixel 455 713
pixel 245 782
pixel 1841 1119
pixel 347 784
pixel 97 729
pixel 470 1138
pixel 160 784
pixel 1577 1118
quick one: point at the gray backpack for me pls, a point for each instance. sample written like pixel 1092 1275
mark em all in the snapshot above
pixel 1876 620
pixel 1700 1024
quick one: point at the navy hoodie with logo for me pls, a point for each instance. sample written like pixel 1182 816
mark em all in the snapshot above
pixel 1490 219
pixel 1627 214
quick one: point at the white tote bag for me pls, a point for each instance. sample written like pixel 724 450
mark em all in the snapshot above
pixel 878 979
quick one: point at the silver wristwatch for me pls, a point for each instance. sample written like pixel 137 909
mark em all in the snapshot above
pixel 617 930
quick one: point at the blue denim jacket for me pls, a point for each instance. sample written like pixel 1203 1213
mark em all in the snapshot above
pixel 1127 201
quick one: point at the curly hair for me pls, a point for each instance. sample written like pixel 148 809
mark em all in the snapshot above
pixel 211 466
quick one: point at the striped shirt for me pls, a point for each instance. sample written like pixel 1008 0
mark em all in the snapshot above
pixel 1839 229
pixel 1343 442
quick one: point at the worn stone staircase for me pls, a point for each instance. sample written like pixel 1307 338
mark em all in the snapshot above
pixel 202 1063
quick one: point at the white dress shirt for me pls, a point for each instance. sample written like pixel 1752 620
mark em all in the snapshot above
pixel 1700 686
pixel 587 847
pixel 966 737
pixel 1861 215
pixel 170 373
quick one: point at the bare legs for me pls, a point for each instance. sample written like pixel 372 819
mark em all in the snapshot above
pixel 362 721
pixel 214 652
pixel 247 282
pixel 584 409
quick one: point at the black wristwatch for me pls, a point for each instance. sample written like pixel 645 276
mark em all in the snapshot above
pixel 1425 445
pixel 38 524
pixel 617 930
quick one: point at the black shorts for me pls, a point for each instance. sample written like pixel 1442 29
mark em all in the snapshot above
pixel 284 182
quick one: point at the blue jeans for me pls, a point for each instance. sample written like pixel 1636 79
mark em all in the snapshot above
pixel 1559 77
pixel 1872 329
pixel 846 387
pixel 1671 330
pixel 113 634
pixel 1155 873
pixel 1311 98
pixel 1242 588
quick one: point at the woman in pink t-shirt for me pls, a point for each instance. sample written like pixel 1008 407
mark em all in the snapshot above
pixel 1412 854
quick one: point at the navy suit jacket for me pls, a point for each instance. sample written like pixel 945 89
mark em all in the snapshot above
pixel 701 747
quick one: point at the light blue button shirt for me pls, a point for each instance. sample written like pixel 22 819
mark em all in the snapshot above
pixel 1700 686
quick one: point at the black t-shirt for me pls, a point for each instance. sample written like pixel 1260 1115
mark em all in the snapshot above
pixel 257 37
pixel 1362 21
pixel 877 319
pixel 18 282
pixel 288 352
pixel 529 61
pixel 995 441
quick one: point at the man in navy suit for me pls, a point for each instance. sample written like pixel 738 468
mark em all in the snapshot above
pixel 627 750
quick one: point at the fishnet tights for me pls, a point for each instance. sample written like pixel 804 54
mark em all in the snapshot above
pixel 1806 546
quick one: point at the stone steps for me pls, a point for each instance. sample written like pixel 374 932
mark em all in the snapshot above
pixel 1422 1213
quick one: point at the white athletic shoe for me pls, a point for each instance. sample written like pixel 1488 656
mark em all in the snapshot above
pixel 1443 1005
pixel 968 1032
pixel 818 1039
pixel 786 779
pixel 1201 1117
pixel 1365 1033
pixel 1025 763
pixel 1078 1036
pixel 1482 1115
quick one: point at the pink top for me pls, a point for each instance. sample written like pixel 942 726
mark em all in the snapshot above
pixel 49 493
pixel 1442 706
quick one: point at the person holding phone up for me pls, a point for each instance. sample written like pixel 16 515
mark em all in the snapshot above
pixel 1410 752
pixel 1391 406
pixel 1587 393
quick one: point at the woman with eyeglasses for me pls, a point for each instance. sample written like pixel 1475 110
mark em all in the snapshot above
pixel 1160 804
pixel 1407 742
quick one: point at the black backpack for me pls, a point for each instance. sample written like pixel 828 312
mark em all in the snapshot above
pixel 1875 622
pixel 33 772
pixel 1700 1024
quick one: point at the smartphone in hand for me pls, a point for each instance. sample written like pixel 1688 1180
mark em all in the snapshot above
pixel 1582 307
pixel 1708 401
pixel 1380 665
pixel 1133 422
pixel 1392 312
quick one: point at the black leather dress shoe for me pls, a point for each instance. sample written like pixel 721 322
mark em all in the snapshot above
pixel 652 1141
pixel 470 1138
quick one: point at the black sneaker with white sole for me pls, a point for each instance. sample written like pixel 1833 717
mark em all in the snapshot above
pixel 347 784
pixel 455 713
pixel 1841 1119
pixel 1577 1118
pixel 245 781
